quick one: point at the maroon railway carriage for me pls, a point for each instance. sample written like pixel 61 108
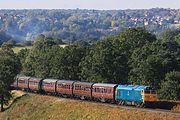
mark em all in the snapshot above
pixel 82 90
pixel 22 82
pixel 64 87
pixel 35 84
pixel 104 92
pixel 49 85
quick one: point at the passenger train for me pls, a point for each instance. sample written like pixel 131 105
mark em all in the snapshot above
pixel 121 94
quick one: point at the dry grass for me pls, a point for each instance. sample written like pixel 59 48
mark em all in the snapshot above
pixel 15 95
pixel 35 107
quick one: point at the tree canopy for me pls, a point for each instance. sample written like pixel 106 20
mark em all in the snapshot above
pixel 38 62
pixel 150 63
pixel 170 87
pixel 9 67
pixel 133 38
pixel 105 62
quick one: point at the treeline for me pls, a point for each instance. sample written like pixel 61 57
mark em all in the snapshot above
pixel 7 39
pixel 87 25
pixel 133 57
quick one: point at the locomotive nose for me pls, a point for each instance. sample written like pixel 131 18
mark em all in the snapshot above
pixel 150 96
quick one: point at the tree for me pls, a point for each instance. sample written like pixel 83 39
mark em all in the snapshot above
pixel 105 62
pixel 28 43
pixel 4 37
pixel 170 87
pixel 169 35
pixel 9 68
pixel 66 63
pixel 133 38
pixel 5 95
pixel 150 63
pixel 177 38
pixel 40 58
pixel 11 42
pixel 22 54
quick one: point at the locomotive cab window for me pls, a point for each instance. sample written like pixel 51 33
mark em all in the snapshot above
pixel 147 91
pixel 150 92
pixel 153 92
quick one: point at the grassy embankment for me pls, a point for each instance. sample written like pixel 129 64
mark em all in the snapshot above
pixel 17 49
pixel 35 107
pixel 15 95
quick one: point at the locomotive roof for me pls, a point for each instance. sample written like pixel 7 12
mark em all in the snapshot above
pixel 131 87
pixel 105 84
pixel 50 80
pixel 83 83
pixel 65 81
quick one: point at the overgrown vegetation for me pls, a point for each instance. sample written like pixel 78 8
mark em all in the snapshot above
pixel 9 68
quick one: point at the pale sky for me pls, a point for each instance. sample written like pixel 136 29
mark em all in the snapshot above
pixel 88 4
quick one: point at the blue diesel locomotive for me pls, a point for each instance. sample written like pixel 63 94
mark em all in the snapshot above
pixel 135 95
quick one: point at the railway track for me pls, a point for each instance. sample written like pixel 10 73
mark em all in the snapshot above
pixel 154 110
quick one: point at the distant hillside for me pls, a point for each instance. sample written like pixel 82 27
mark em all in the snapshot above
pixel 35 107
pixel 72 25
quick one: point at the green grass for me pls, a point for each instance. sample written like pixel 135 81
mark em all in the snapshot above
pixel 17 49
pixel 35 107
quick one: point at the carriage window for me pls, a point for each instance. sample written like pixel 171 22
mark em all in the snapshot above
pixel 77 87
pixel 60 86
pixel 102 90
pixel 87 89
pixel 105 91
pixel 48 84
pixel 108 90
pixel 33 83
pixel 97 89
pixel 21 81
